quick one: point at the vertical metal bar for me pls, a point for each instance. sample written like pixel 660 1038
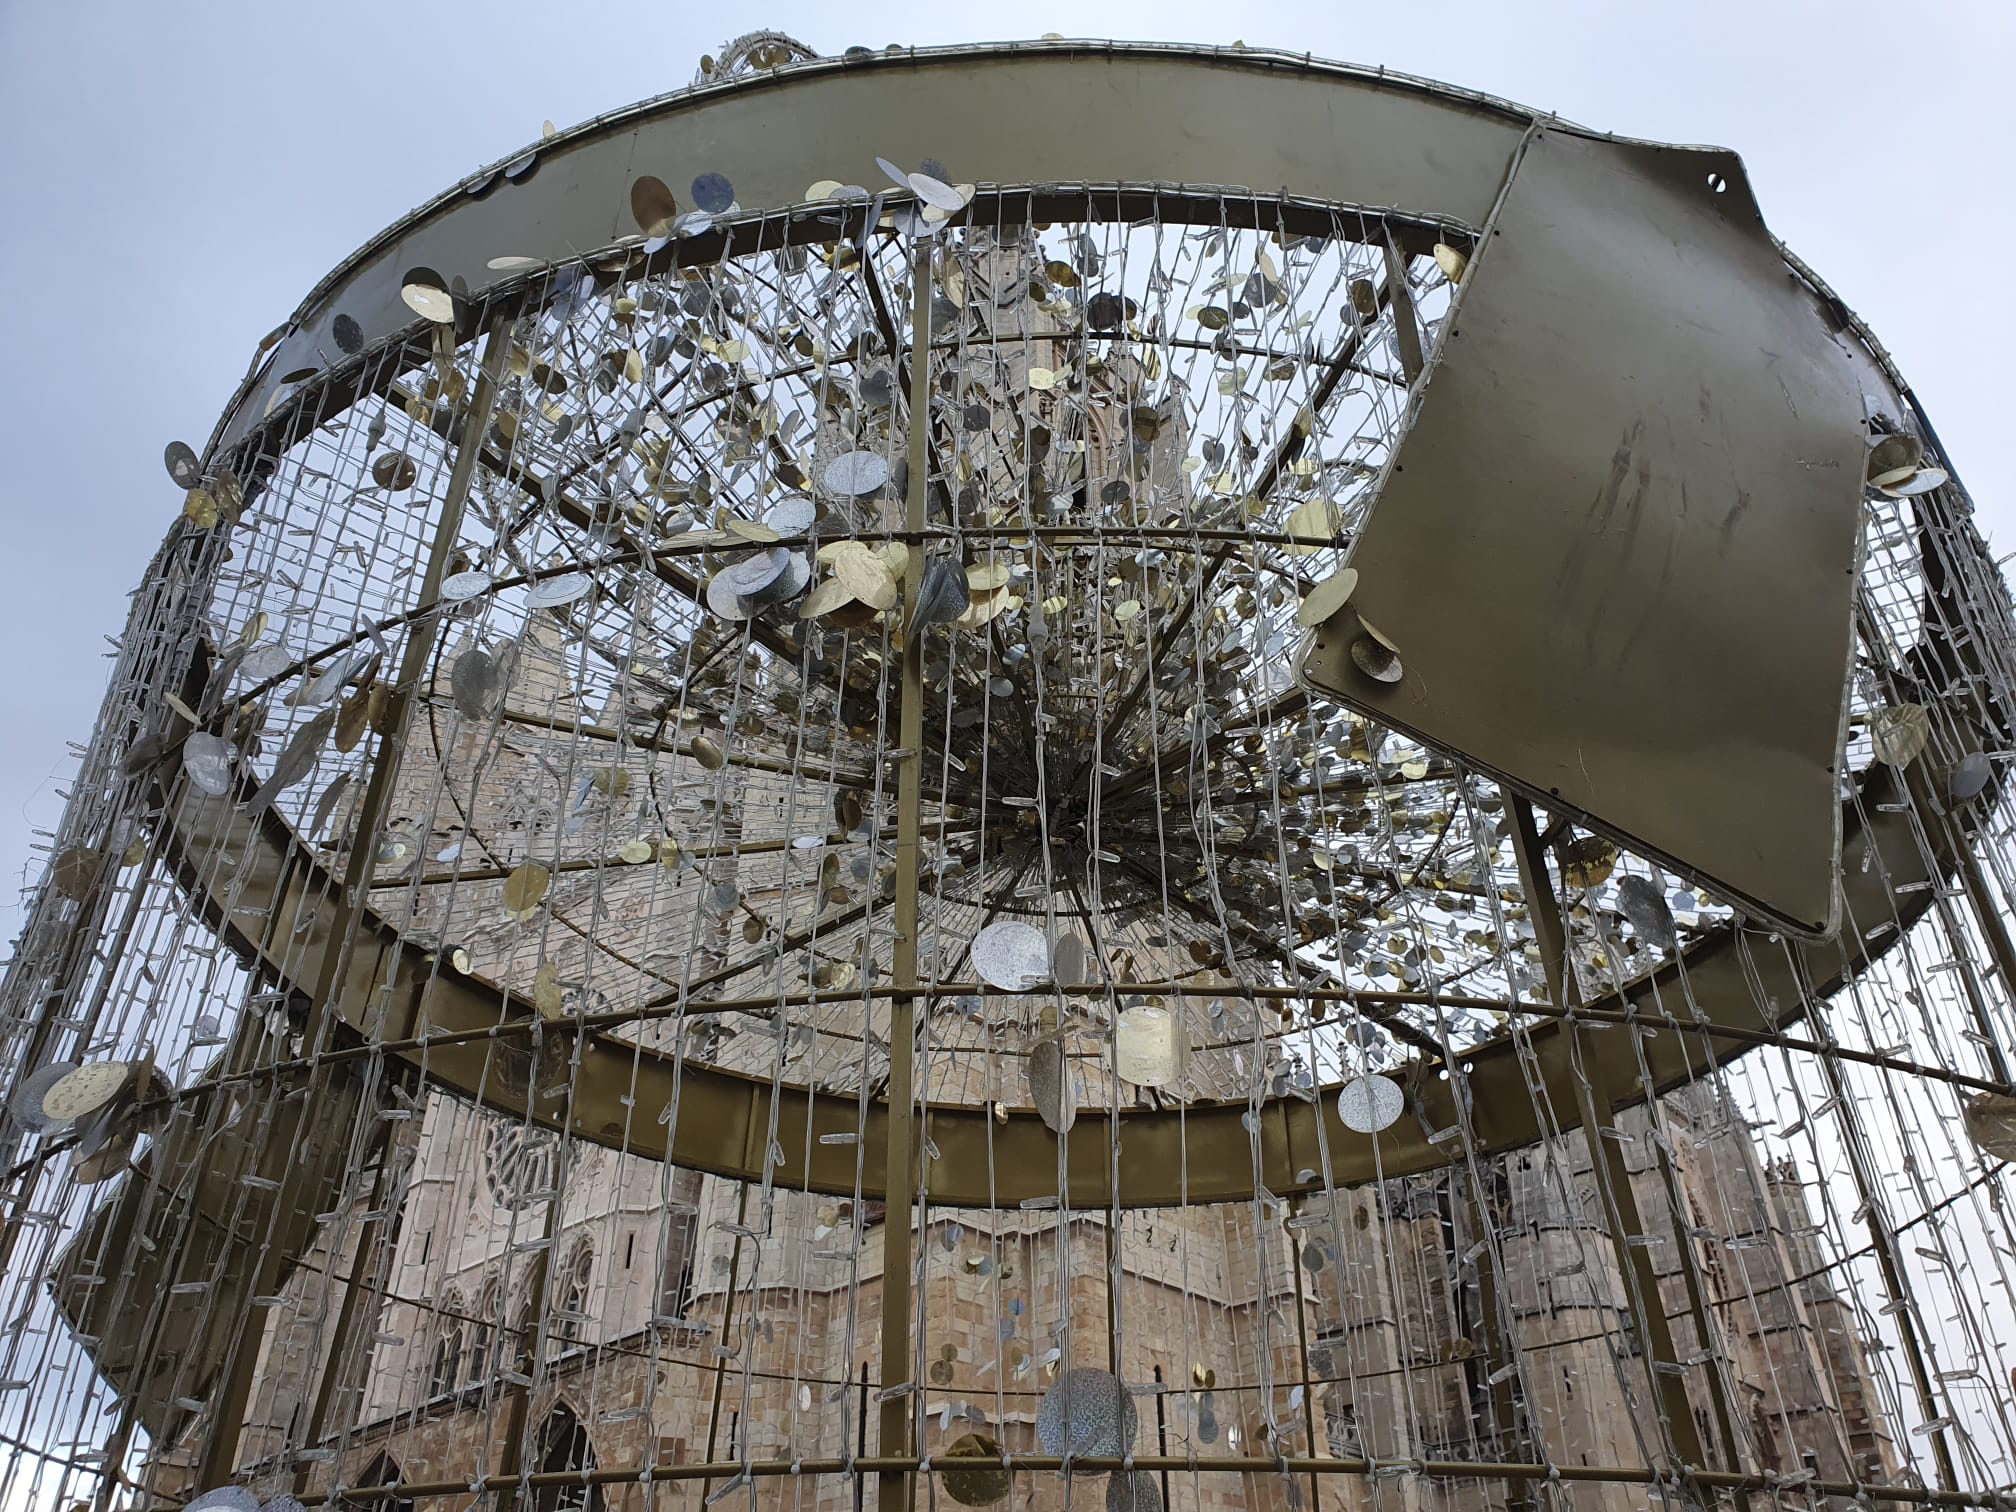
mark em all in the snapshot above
pixel 1996 931
pixel 346 1316
pixel 1112 1283
pixel 734 1286
pixel 896 1489
pixel 1567 1061
pixel 1162 1431
pixel 228 1420
pixel 530 1349
pixel 1114 1236
pixel 1882 1239
pixel 861 1442
pixel 1931 805
pixel 1316 1444
pixel 1697 1305
pixel 1897 1296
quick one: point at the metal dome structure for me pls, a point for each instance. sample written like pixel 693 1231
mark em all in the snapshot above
pixel 996 680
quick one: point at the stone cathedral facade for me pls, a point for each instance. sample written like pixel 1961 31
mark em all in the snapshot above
pixel 655 1304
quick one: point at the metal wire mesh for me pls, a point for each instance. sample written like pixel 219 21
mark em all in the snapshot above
pixel 504 781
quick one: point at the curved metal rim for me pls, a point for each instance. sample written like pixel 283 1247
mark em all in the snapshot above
pixel 465 1036
pixel 798 86
pixel 613 121
pixel 1243 58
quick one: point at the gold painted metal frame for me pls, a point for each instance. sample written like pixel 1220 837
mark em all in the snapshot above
pixel 1096 128
pixel 1332 133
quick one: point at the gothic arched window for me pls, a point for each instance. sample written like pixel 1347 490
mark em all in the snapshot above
pixel 385 1471
pixel 570 1293
pixel 445 1371
pixel 564 1446
pixel 483 1332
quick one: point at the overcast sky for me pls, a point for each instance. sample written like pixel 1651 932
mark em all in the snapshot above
pixel 179 174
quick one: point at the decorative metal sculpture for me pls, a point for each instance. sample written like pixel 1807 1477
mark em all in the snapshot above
pixel 1025 750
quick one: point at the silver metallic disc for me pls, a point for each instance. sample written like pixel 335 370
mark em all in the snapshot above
pixel 109 1159
pixel 1376 661
pixel 434 303
pixel 1011 956
pixel 725 601
pixel 1924 480
pixel 743 589
pixel 1133 1491
pixel 943 595
pixel 1895 454
pixel 858 473
pixel 979 1487
pixel 787 585
pixel 1641 902
pixel 1049 1076
pixel 465 585
pixel 713 193
pixel 1068 961
pixel 1367 1104
pixel 328 683
pixel 262 662
pixel 1088 1412
pixel 910 220
pixel 755 573
pixel 103 1128
pixel 551 593
pixel 938 195
pixel 1145 1051
pixel 87 1090
pixel 27 1105
pixel 473 682
pixel 1969 776
pixel 792 516
pixel 207 760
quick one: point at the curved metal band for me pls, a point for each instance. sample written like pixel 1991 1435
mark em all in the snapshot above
pixel 642 1102
pixel 1115 114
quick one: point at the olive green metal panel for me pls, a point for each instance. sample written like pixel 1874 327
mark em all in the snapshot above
pixel 1617 550
pixel 1021 115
